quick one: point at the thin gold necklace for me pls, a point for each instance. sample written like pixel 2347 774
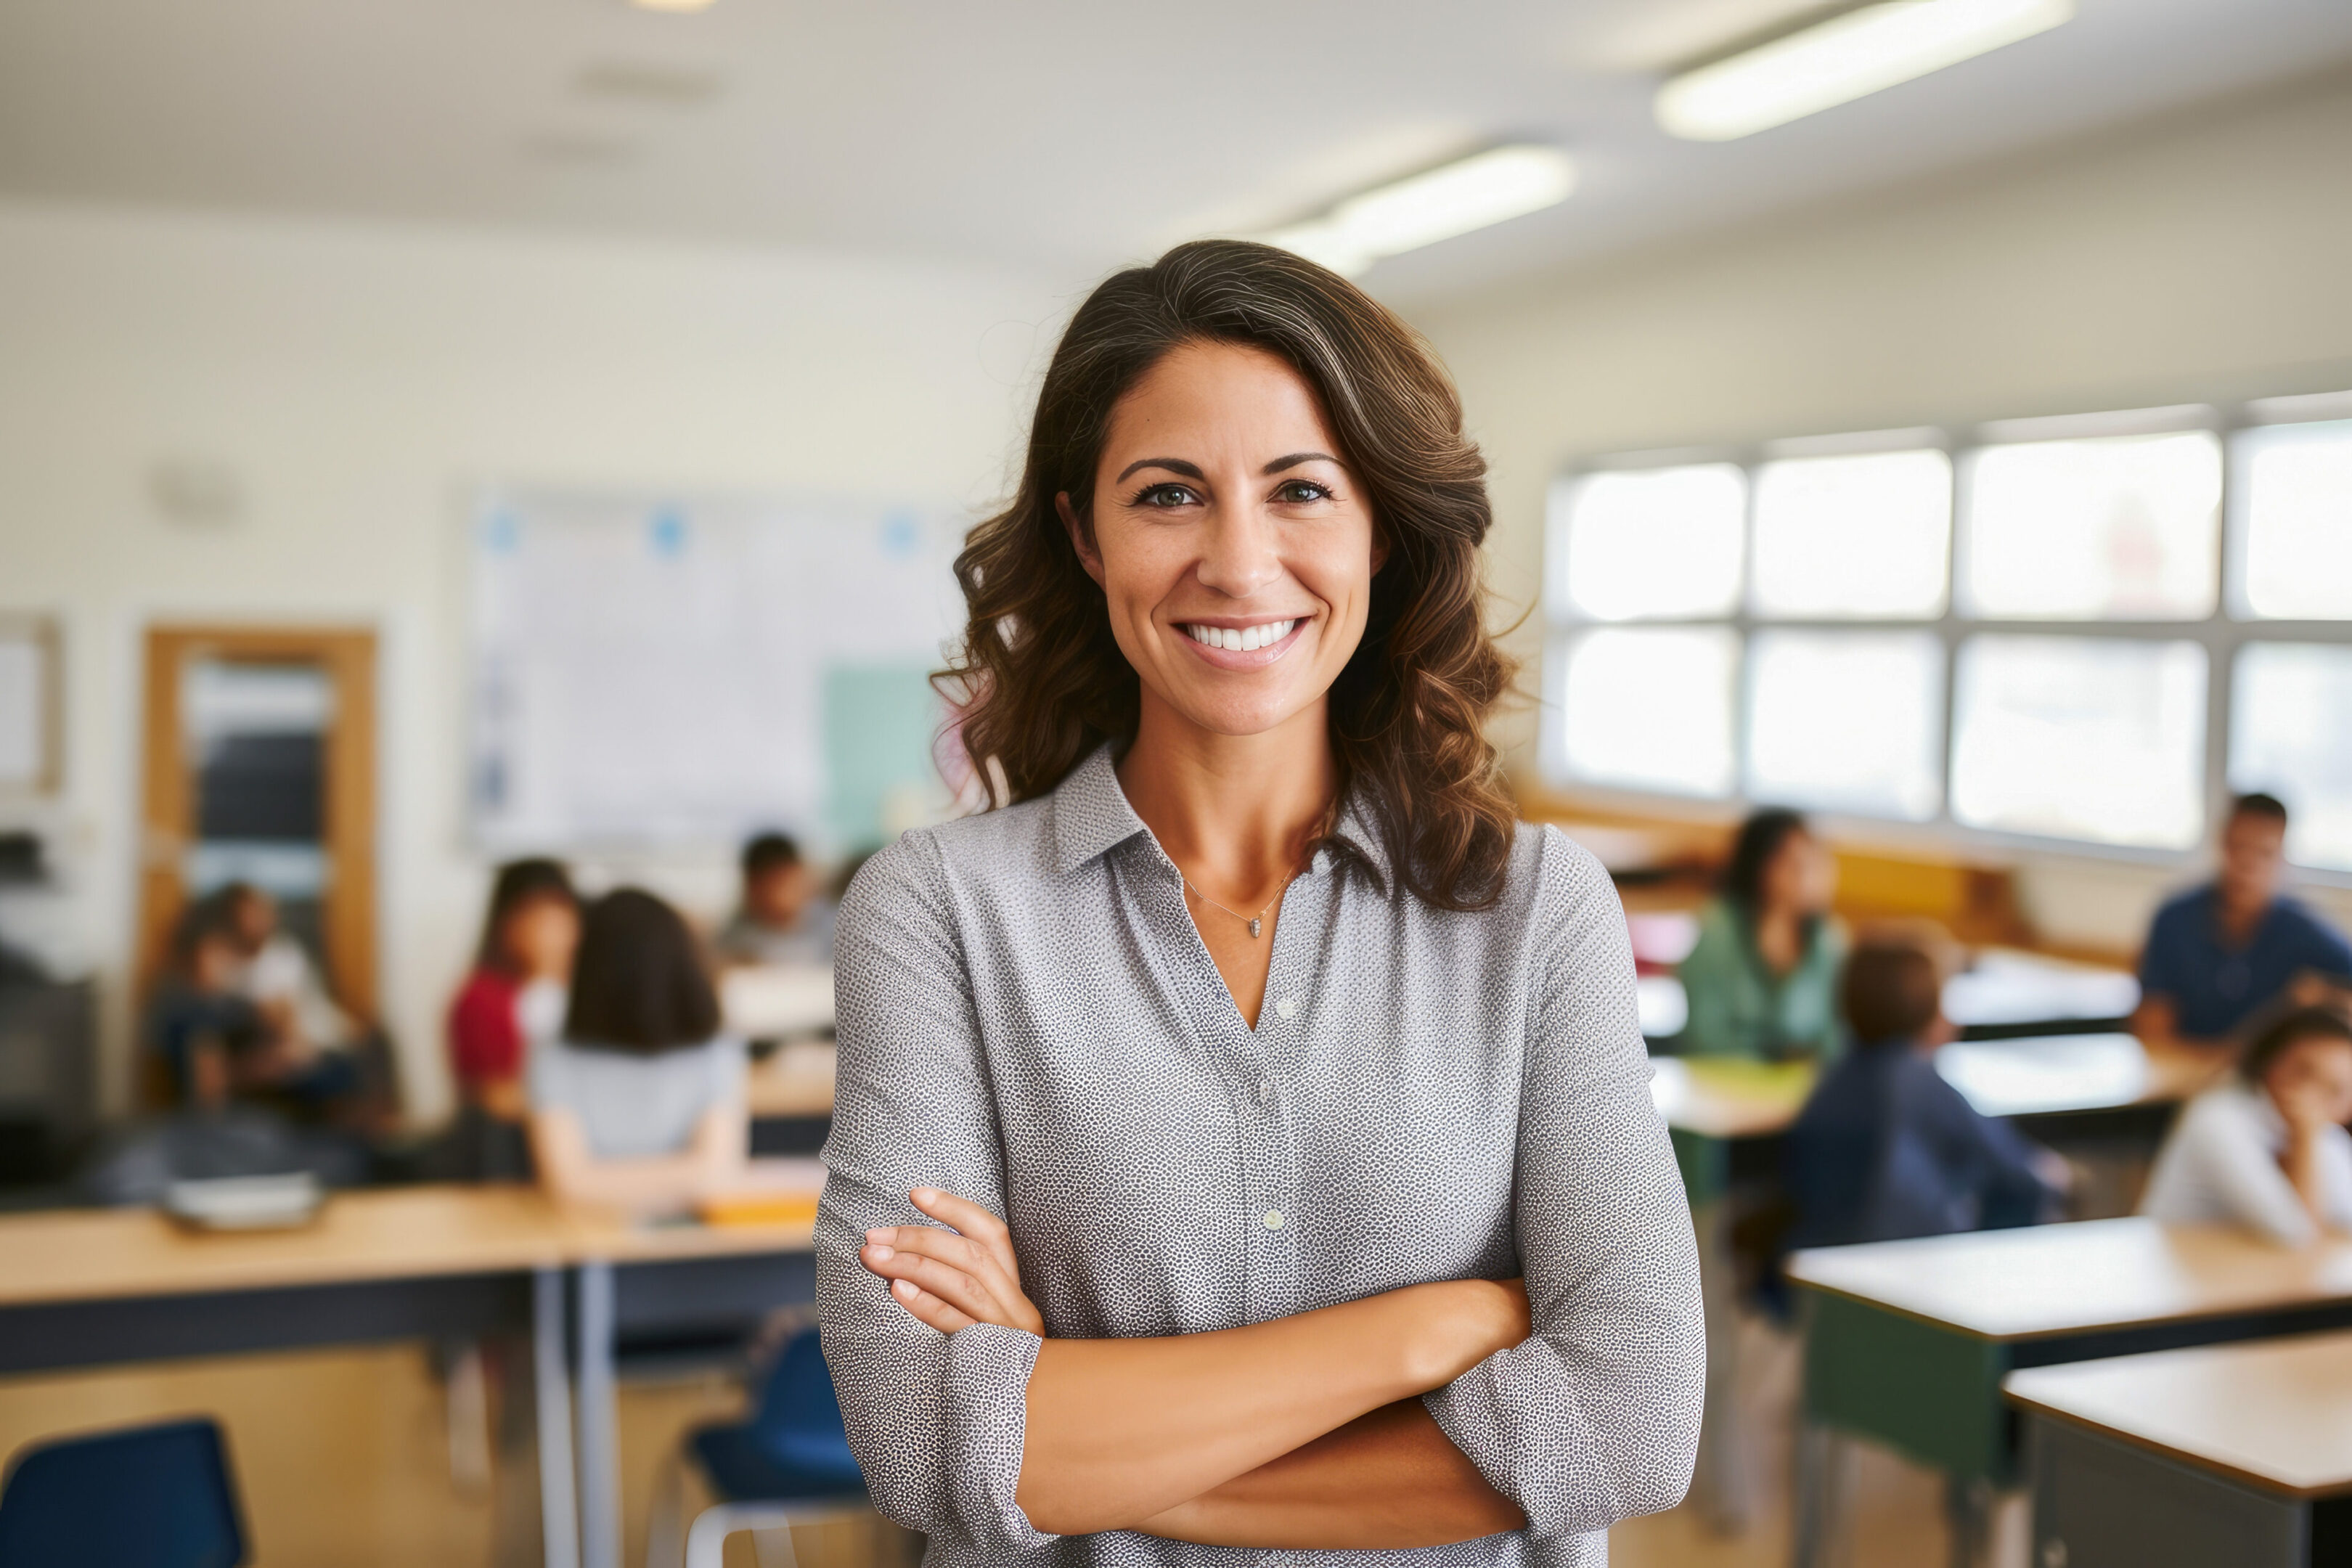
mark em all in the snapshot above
pixel 1254 921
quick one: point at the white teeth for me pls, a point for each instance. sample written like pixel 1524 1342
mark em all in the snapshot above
pixel 1242 639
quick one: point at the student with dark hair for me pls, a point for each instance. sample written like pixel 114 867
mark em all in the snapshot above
pixel 1762 978
pixel 512 1002
pixel 1885 1149
pixel 2266 1148
pixel 778 916
pixel 640 1107
pixel 202 1029
pixel 2219 954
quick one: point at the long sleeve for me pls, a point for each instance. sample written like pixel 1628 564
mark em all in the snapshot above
pixel 1991 1162
pixel 2219 1166
pixel 936 1420
pixel 1595 1417
pixel 1712 981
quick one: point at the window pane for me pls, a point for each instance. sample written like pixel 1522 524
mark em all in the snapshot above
pixel 1846 720
pixel 2096 737
pixel 2289 734
pixel 2299 484
pixel 1864 535
pixel 1664 542
pixel 2124 528
pixel 1648 709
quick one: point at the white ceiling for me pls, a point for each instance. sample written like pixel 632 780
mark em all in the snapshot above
pixel 1053 136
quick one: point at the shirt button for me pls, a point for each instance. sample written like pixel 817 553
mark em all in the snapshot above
pixel 1274 1219
pixel 1288 1006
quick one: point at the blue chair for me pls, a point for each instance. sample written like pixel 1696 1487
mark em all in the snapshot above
pixel 152 1497
pixel 789 1463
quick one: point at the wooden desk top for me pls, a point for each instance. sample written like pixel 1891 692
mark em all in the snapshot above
pixel 2274 1414
pixel 392 1232
pixel 2057 1280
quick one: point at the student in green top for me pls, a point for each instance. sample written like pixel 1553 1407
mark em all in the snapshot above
pixel 1762 980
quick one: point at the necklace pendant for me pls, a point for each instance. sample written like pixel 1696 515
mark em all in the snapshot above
pixel 1253 928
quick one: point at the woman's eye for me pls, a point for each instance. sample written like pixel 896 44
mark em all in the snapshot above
pixel 1166 495
pixel 1298 492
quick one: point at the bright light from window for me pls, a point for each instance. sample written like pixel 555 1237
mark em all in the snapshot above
pixel 1846 58
pixel 1866 535
pixel 2298 521
pixel 1847 721
pixel 2291 734
pixel 1657 543
pixel 2121 527
pixel 2093 738
pixel 1473 193
pixel 1647 708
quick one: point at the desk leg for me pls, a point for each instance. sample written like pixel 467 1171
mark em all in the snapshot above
pixel 1821 1487
pixel 1726 1487
pixel 600 1469
pixel 559 1515
pixel 1970 1503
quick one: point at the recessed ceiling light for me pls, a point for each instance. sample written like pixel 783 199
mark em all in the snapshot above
pixel 1471 193
pixel 671 4
pixel 1846 58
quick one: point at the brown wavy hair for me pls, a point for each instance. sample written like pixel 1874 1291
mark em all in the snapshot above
pixel 1041 681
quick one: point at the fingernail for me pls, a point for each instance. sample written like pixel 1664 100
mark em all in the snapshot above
pixel 924 1194
pixel 878 1253
pixel 903 1287
pixel 883 1233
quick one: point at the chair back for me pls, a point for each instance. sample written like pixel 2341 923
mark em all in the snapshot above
pixel 799 1420
pixel 151 1496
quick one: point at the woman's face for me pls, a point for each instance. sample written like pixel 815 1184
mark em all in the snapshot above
pixel 1801 878
pixel 1235 548
pixel 2311 1080
pixel 541 936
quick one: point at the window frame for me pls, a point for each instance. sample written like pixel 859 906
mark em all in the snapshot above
pixel 2222 632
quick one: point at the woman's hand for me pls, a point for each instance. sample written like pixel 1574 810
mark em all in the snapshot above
pixel 950 1280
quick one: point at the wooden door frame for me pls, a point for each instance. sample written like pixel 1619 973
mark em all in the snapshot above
pixel 347 655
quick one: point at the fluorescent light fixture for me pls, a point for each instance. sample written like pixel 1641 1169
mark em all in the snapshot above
pixel 671 4
pixel 1843 58
pixel 1421 209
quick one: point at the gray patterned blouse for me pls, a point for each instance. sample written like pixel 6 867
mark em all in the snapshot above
pixel 1028 1018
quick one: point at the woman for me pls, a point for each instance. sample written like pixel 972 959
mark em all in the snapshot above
pixel 640 1107
pixel 1251 1051
pixel 512 1002
pixel 2266 1148
pixel 1762 979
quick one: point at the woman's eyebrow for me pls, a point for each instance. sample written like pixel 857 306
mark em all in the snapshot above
pixel 1296 458
pixel 1173 465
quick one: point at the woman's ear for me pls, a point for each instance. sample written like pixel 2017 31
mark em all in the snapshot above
pixel 1081 539
pixel 1380 548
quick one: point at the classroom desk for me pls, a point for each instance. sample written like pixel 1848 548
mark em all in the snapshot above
pixel 2238 1454
pixel 795 1081
pixel 92 1288
pixel 1907 1342
pixel 660 1282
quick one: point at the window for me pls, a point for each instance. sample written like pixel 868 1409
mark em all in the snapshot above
pixel 2298 521
pixel 2120 528
pixel 2093 738
pixel 1867 535
pixel 2291 734
pixel 2027 637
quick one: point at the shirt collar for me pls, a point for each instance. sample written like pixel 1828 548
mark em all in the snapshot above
pixel 1091 816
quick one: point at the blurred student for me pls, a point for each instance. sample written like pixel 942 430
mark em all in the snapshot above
pixel 511 1004
pixel 277 974
pixel 779 918
pixel 1885 1149
pixel 218 1044
pixel 1762 978
pixel 2219 954
pixel 2266 1148
pixel 640 1106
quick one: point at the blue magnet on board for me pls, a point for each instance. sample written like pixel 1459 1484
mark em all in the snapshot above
pixel 501 532
pixel 901 534
pixel 667 533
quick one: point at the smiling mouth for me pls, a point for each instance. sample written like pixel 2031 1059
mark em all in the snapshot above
pixel 1240 639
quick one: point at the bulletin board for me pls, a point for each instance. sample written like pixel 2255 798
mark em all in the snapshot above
pixel 679 672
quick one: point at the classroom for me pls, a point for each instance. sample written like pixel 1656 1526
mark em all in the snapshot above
pixel 1539 784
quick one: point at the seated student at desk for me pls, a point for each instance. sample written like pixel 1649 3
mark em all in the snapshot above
pixel 512 1002
pixel 779 919
pixel 1885 1149
pixel 640 1107
pixel 1762 978
pixel 2266 1148
pixel 2222 954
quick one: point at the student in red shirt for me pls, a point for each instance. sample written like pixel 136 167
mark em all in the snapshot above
pixel 514 997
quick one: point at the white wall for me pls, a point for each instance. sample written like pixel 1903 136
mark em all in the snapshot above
pixel 356 379
pixel 2200 257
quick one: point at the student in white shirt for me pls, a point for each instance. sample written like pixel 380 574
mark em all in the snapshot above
pixel 2266 1147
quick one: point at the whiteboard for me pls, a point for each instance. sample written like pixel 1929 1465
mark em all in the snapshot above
pixel 678 671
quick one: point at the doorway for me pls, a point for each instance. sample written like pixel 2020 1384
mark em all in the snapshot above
pixel 261 768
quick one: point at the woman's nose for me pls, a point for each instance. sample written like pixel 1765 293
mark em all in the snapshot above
pixel 1239 558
